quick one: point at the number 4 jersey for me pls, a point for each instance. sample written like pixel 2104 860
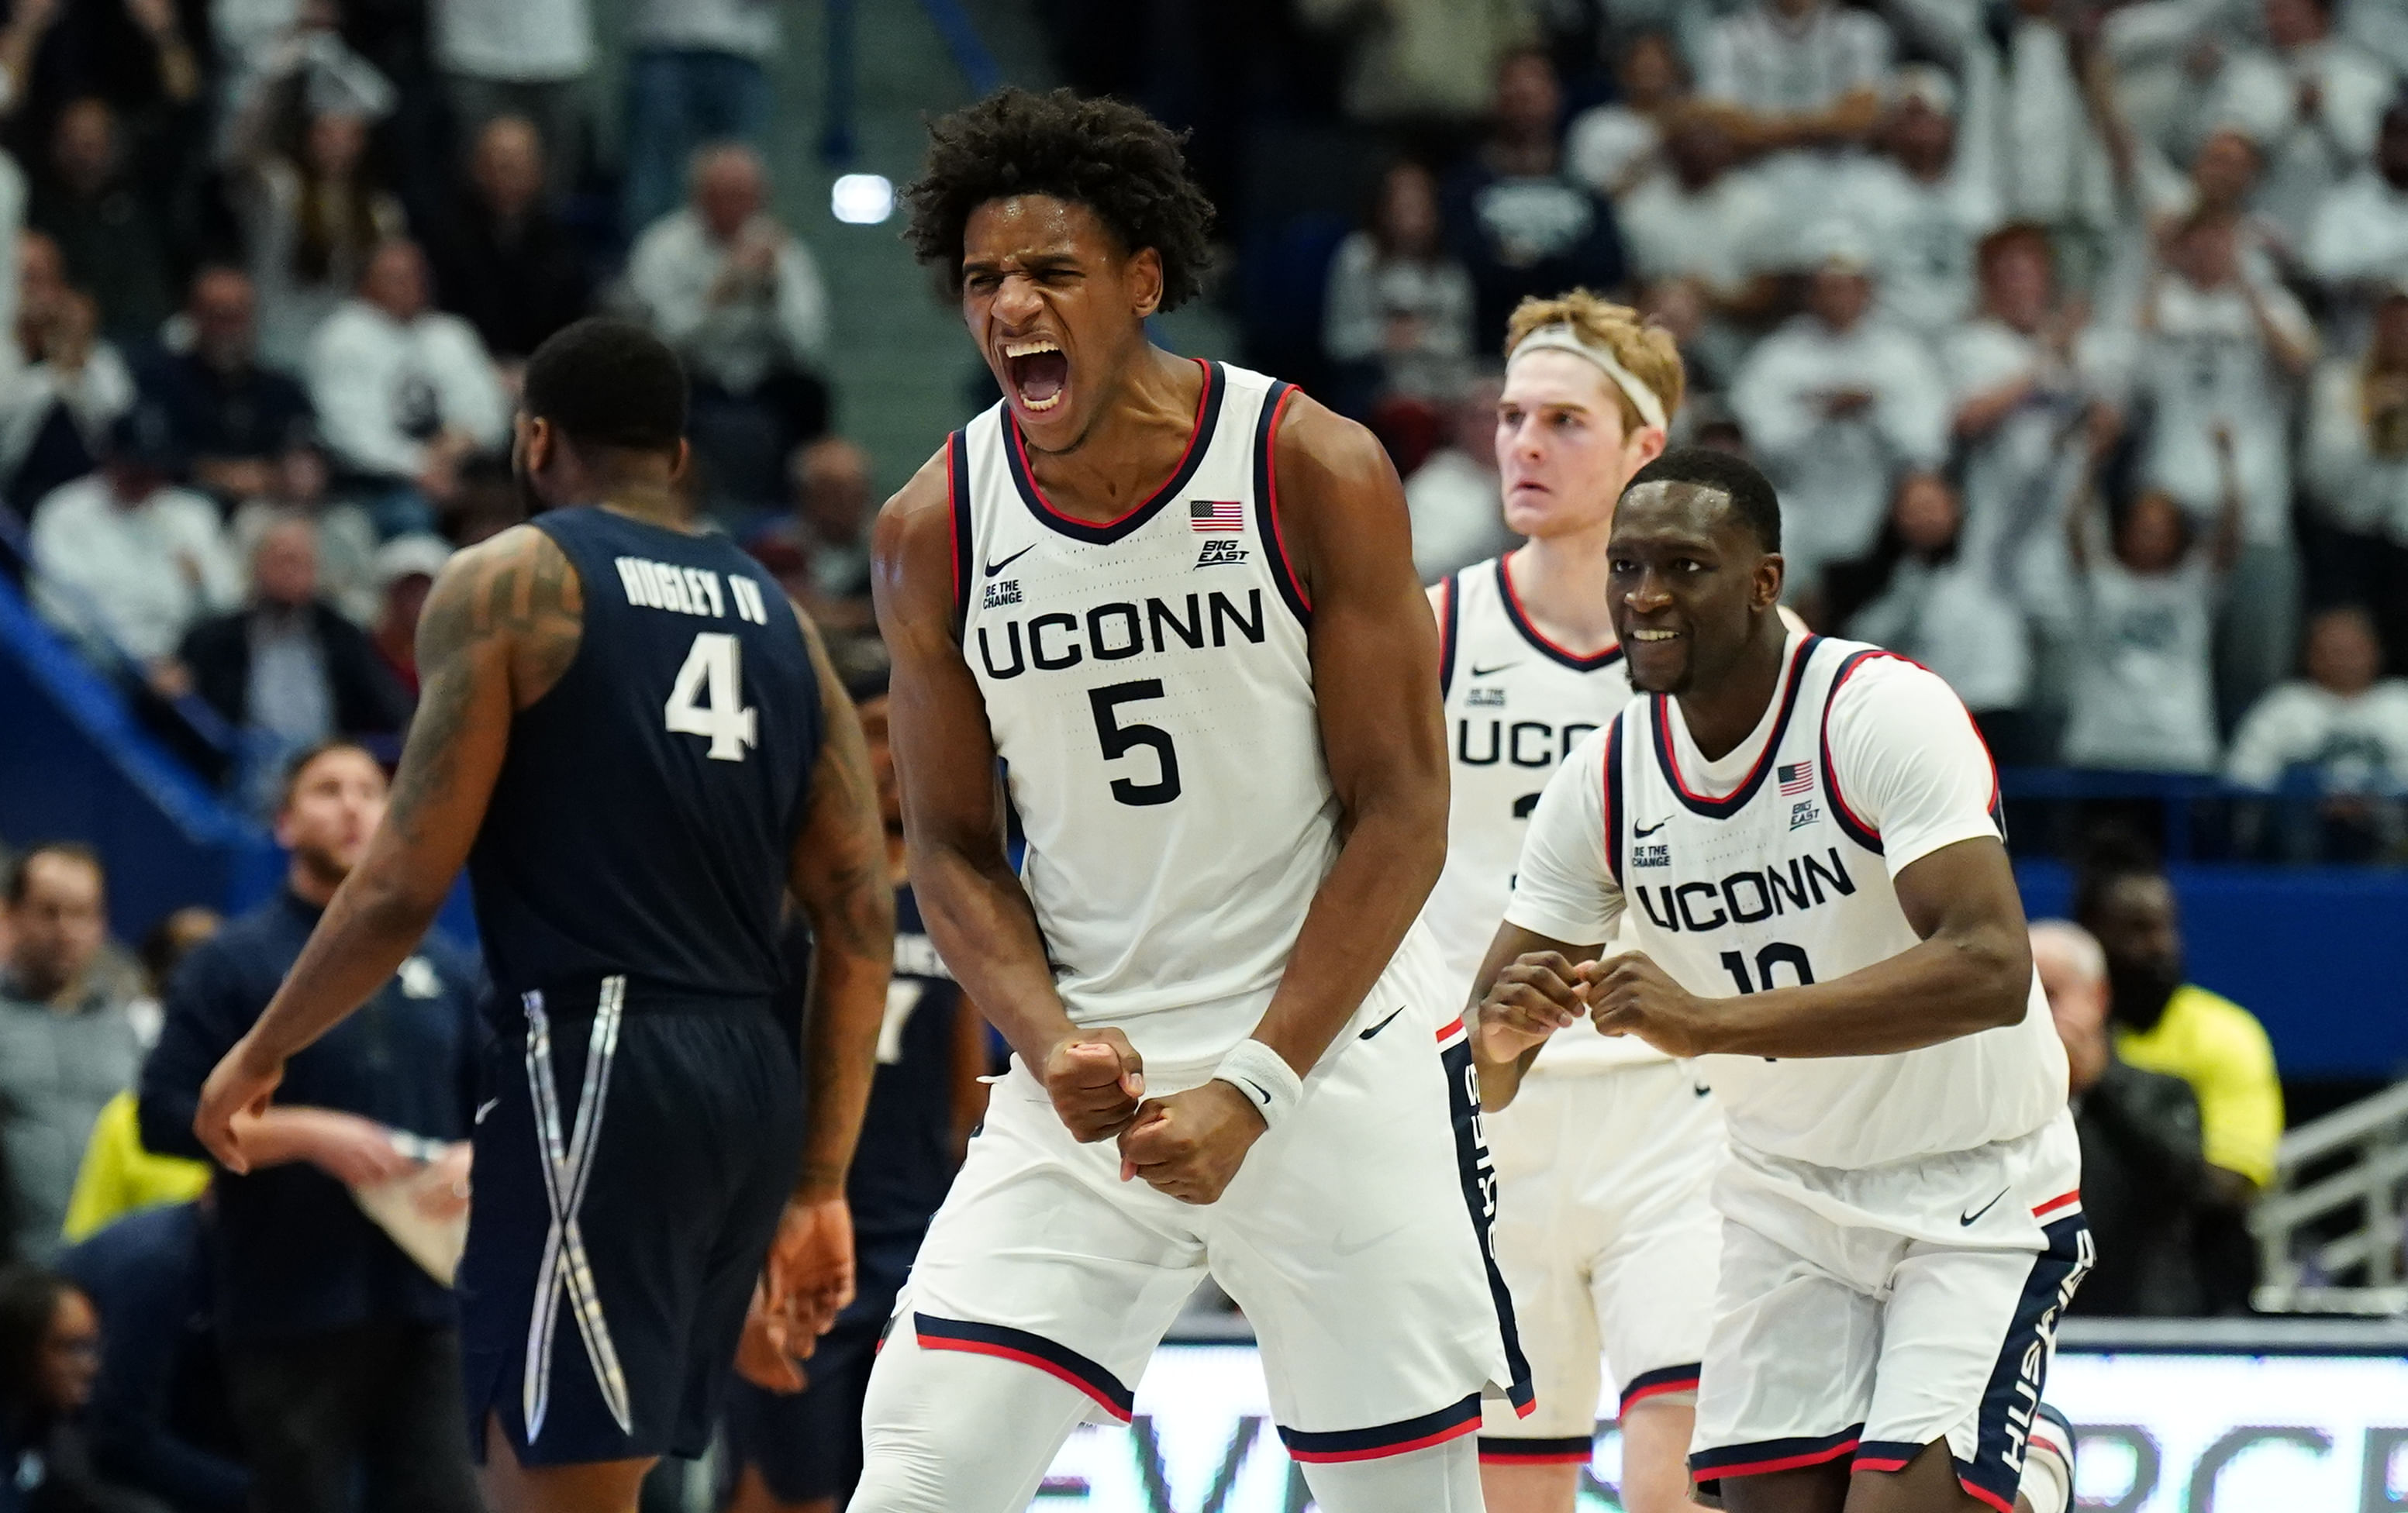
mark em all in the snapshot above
pixel 1150 689
pixel 648 805
pixel 1773 867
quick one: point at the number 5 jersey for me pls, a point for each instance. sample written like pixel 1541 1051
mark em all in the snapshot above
pixel 1773 867
pixel 1149 685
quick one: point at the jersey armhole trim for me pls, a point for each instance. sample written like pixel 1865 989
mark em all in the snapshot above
pixel 1614 800
pixel 957 505
pixel 1450 617
pixel 1267 493
pixel 1855 829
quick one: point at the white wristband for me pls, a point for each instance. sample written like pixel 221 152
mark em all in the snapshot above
pixel 1264 1075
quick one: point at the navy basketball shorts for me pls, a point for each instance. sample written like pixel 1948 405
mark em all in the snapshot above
pixel 631 1164
pixel 806 1445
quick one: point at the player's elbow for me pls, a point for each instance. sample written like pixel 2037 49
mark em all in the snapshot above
pixel 1998 969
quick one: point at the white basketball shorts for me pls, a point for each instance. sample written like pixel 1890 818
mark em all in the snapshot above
pixel 1608 1239
pixel 1355 1239
pixel 1863 1314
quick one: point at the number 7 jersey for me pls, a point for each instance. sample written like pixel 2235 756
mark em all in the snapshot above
pixel 1149 685
pixel 1772 867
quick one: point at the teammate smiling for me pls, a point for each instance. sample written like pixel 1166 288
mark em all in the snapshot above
pixel 1604 1232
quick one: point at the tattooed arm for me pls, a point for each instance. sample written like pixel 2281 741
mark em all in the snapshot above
pixel 837 872
pixel 500 627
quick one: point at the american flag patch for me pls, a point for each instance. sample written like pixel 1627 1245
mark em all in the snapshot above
pixel 1795 778
pixel 1217 515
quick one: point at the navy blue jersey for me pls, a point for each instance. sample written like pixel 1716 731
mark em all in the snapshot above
pixel 645 813
pixel 905 1160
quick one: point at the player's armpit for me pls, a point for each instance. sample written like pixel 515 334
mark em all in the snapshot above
pixel 1341 512
pixel 838 872
pixel 945 766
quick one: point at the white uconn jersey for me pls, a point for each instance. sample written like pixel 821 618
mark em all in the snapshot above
pixel 1517 704
pixel 1769 868
pixel 1150 690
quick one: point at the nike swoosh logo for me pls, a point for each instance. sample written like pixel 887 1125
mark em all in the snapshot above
pixel 1491 672
pixel 1382 1024
pixel 993 569
pixel 1967 1220
pixel 1698 1091
pixel 1256 1088
pixel 484 1108
pixel 1649 830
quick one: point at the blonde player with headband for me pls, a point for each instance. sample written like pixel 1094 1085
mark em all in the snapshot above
pixel 1603 1230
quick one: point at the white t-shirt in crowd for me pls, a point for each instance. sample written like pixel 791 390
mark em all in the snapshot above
pixel 1722 235
pixel 1923 235
pixel 521 41
pixel 2360 232
pixel 139 577
pixel 383 387
pixel 2205 364
pixel 747 28
pixel 1834 473
pixel 2258 90
pixel 1457 508
pixel 736 343
pixel 1608 144
pixel 2144 693
pixel 1955 619
pixel 2357 478
pixel 2357 745
pixel 1367 290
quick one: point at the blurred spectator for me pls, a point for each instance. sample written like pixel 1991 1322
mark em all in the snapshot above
pixel 1421 62
pixel 108 225
pixel 1833 404
pixel 230 416
pixel 405 393
pixel 158 1421
pixel 347 538
pixel 1457 505
pixel 56 407
pixel 2054 168
pixel 1925 200
pixel 125 555
pixel 50 1356
pixel 697 72
pixel 2143 1179
pixel 1800 79
pixel 2346 727
pixel 295 44
pixel 820 550
pixel 1710 227
pixel 1397 319
pixel 289 668
pixel 343 1356
pixel 507 263
pixel 2015 379
pixel 67 1045
pixel 1612 147
pixel 313 210
pixel 2220 349
pixel 164 946
pixel 523 59
pixel 2311 101
pixel 741 299
pixel 406 568
pixel 1517 219
pixel 2166 1024
pixel 2142 692
pixel 2357 473
pixel 1930 593
pixel 2359 242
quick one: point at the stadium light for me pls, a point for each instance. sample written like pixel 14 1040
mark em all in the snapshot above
pixel 862 199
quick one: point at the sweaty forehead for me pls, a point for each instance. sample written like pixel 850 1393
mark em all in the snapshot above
pixel 1022 226
pixel 1668 511
pixel 1556 381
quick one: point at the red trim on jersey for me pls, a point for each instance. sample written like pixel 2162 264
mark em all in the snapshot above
pixel 1470 1425
pixel 954 526
pixel 1178 470
pixel 1584 661
pixel 1569 1450
pixel 1866 1463
pixel 1453 1026
pixel 1831 773
pixel 1783 1463
pixel 1993 1499
pixel 1445 628
pixel 1005 1352
pixel 1270 493
pixel 1670 749
pixel 2061 1201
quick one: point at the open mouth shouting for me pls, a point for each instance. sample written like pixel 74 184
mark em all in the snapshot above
pixel 1039 373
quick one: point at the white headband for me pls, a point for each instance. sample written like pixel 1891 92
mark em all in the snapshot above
pixel 1562 338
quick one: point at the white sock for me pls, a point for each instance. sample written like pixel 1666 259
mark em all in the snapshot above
pixel 2047 1485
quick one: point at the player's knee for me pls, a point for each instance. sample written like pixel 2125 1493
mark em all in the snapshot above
pixel 1442 1478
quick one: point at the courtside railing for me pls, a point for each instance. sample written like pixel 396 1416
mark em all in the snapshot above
pixel 2330 1230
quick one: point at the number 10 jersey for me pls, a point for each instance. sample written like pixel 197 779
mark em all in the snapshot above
pixel 1149 685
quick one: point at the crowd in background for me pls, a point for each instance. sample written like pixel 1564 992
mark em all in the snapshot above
pixel 2074 336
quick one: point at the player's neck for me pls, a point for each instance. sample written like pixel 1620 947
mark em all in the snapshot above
pixel 1721 716
pixel 1142 428
pixel 1562 582
pixel 654 503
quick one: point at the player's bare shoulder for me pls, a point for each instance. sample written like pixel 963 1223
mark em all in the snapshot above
pixel 1333 485
pixel 516 593
pixel 912 547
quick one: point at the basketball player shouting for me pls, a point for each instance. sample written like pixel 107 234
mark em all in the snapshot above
pixel 1177 600
pixel 1604 1232
pixel 1826 920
